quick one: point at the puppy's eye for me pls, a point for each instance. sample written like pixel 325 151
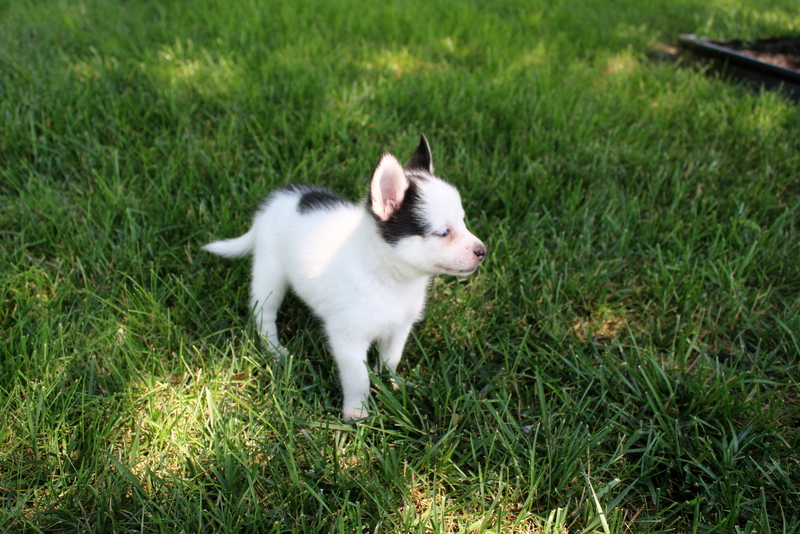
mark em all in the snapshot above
pixel 443 233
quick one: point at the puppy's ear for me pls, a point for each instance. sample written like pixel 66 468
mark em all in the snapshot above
pixel 388 187
pixel 422 157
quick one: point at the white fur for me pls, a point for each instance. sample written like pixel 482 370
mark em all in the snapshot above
pixel 363 288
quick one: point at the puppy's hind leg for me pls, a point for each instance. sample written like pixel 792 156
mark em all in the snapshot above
pixel 268 288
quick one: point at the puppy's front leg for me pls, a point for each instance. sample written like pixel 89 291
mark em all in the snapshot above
pixel 351 358
pixel 391 348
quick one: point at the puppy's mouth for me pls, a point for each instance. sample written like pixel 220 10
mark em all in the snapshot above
pixel 456 272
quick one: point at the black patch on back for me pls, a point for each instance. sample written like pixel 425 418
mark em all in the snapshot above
pixel 408 220
pixel 318 199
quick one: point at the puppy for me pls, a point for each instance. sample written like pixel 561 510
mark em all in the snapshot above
pixel 363 269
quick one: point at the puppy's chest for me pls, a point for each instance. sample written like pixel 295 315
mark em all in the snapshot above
pixel 403 304
pixel 391 308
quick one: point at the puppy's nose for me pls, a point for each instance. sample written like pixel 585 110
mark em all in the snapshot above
pixel 480 252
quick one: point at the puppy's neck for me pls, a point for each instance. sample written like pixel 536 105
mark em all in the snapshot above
pixel 383 259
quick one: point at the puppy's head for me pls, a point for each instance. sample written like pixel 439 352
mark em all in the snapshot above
pixel 420 216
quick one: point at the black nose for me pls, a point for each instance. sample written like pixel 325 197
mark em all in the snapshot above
pixel 480 252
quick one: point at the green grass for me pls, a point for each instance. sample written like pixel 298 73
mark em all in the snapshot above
pixel 625 361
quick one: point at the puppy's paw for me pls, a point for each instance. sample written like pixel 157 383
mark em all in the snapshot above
pixel 354 414
pixel 278 350
pixel 274 350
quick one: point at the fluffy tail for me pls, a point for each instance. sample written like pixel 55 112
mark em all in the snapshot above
pixel 233 248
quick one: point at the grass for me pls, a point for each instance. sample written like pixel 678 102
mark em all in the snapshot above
pixel 625 361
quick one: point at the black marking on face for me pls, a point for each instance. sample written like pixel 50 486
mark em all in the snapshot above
pixel 318 199
pixel 408 220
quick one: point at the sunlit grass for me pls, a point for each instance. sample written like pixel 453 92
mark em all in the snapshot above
pixel 208 73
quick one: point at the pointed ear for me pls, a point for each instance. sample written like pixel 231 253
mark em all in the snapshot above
pixel 388 187
pixel 422 157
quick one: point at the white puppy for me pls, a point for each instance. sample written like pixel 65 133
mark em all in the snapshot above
pixel 363 269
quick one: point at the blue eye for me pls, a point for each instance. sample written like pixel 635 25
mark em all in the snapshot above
pixel 443 233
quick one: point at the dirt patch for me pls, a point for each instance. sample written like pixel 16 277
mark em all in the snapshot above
pixel 771 63
pixel 781 51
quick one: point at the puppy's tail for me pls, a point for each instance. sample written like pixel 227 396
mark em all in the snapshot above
pixel 233 248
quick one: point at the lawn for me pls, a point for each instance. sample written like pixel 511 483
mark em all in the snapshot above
pixel 626 359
